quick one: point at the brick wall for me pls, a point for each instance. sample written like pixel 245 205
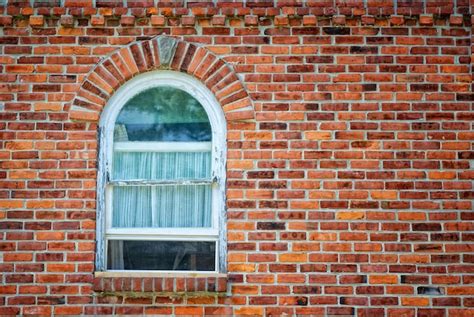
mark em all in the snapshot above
pixel 349 145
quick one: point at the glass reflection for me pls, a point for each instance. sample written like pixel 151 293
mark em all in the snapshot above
pixel 163 114
pixel 161 255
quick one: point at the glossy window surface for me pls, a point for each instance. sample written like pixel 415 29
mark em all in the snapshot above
pixel 162 206
pixel 163 114
pixel 161 255
pixel 162 165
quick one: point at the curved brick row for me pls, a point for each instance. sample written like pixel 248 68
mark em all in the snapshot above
pixel 162 52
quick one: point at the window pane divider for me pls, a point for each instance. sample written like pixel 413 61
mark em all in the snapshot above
pixel 187 234
pixel 167 182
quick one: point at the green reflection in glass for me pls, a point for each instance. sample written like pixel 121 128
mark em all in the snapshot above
pixel 163 114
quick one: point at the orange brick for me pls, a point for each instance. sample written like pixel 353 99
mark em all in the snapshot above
pixel 243 289
pixel 313 135
pixel 402 290
pixel 383 279
pixel 32 289
pixel 460 290
pixel 442 175
pixel 415 301
pixel 68 31
pixel 241 267
pixel 20 68
pixel 60 267
pixel 97 20
pixel 249 311
pixel 11 203
pixel 84 116
pixel 323 236
pixel 426 19
pixel 281 20
pixel 305 246
pixel 350 215
pixel 17 257
pixel 50 235
pixel 158 310
pixel 236 257
pixel 69 310
pixel 412 216
pixel 309 20
pixel 36 20
pixel 388 194
pixel 461 312
pixel 293 257
pixel 405 258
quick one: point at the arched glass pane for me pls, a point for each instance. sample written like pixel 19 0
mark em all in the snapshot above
pixel 163 114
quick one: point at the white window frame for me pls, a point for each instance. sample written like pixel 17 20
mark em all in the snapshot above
pixel 217 232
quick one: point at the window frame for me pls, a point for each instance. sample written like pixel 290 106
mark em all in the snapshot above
pixel 107 121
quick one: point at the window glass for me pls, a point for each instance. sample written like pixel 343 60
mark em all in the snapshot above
pixel 162 255
pixel 187 206
pixel 163 114
pixel 161 165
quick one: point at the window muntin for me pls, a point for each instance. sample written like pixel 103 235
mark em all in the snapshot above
pixel 184 158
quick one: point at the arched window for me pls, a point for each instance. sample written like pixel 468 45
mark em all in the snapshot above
pixel 161 177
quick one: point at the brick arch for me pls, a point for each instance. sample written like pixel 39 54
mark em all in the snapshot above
pixel 168 53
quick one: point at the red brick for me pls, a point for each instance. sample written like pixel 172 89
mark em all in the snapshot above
pixel 348 136
pixel 157 20
pixel 97 20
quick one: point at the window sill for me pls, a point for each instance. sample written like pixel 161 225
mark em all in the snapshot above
pixel 160 282
pixel 158 274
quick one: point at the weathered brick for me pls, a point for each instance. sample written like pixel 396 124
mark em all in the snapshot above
pixel 348 148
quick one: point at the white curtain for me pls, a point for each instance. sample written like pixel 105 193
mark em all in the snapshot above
pixel 162 165
pixel 169 206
